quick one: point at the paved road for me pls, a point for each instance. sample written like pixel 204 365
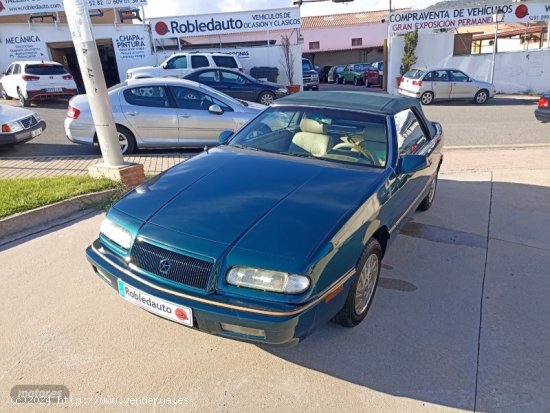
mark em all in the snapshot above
pixel 502 121
pixel 459 323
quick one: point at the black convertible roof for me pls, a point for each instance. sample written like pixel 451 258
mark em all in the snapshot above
pixel 365 101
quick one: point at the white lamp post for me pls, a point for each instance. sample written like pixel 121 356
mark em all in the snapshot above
pixel 498 17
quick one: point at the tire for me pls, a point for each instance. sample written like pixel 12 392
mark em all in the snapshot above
pixel 343 80
pixel 481 96
pixel 3 94
pixel 366 83
pixel 126 139
pixel 366 279
pixel 266 98
pixel 356 81
pixel 427 98
pixel 25 102
pixel 429 199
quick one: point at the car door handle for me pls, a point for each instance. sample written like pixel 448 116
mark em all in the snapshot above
pixel 131 113
pixel 184 116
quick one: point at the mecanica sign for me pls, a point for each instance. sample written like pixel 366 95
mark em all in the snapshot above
pixel 11 7
pixel 224 23
pixel 466 16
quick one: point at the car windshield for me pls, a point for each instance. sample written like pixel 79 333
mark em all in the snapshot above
pixel 320 133
pixel 42 69
pixel 415 74
pixel 362 67
pixel 306 65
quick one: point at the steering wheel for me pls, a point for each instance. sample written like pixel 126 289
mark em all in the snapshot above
pixel 351 145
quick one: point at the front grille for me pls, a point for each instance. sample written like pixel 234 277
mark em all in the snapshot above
pixel 28 122
pixel 170 265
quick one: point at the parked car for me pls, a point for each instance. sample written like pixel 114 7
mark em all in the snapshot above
pixel 353 73
pixel 379 65
pixel 371 77
pixel 239 85
pixel 323 74
pixel 429 85
pixel 180 64
pixel 19 125
pixel 280 228
pixel 162 113
pixel 30 81
pixel 542 112
pixel 335 74
pixel 310 76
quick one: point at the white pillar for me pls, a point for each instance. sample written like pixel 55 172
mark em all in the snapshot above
pixel 80 26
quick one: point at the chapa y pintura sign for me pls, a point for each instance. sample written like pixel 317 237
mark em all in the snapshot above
pixel 224 23
pixel 449 19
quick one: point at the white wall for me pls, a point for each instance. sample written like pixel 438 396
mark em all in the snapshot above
pixel 515 72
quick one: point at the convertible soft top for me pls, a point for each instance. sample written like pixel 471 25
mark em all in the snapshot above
pixel 367 101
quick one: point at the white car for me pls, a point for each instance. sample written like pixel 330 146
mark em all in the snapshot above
pixel 180 64
pixel 36 80
pixel 162 113
pixel 19 125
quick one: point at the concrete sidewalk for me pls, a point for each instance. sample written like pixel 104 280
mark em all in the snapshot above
pixel 459 322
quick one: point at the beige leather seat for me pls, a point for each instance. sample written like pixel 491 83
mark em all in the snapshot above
pixel 313 138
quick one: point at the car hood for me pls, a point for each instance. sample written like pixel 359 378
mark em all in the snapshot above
pixel 148 69
pixel 9 113
pixel 482 83
pixel 252 201
pixel 273 85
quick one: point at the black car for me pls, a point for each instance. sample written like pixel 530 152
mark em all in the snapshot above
pixel 542 113
pixel 239 85
pixel 335 74
pixel 323 74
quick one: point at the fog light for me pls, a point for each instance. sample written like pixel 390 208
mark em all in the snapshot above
pixel 247 331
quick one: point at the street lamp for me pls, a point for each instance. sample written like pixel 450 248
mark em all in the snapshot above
pixel 498 17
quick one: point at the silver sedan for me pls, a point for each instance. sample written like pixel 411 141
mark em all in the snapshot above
pixel 443 84
pixel 162 113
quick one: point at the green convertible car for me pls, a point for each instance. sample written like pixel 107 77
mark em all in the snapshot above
pixel 280 228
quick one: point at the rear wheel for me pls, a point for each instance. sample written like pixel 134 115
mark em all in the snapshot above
pixel 427 98
pixel 367 82
pixel 266 98
pixel 481 96
pixel 26 102
pixel 126 140
pixel 363 288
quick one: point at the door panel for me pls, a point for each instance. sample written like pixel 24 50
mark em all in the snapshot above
pixel 441 84
pixel 461 87
pixel 237 86
pixel 147 110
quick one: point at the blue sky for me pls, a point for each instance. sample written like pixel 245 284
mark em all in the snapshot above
pixel 161 8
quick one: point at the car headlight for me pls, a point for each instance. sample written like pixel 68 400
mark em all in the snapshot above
pixel 276 281
pixel 116 233
pixel 282 90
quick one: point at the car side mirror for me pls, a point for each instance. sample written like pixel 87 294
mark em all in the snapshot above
pixel 409 164
pixel 215 109
pixel 225 136
pixel 164 65
pixel 317 68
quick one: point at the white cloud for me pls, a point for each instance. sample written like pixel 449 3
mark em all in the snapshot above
pixel 163 8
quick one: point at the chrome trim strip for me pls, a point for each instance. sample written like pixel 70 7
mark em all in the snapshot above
pixel 334 286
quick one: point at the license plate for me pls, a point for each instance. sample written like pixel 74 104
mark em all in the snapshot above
pixel 54 89
pixel 36 132
pixel 163 308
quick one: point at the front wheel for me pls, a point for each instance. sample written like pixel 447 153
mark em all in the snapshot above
pixel 356 81
pixel 25 102
pixel 427 98
pixel 481 97
pixel 266 98
pixel 3 93
pixel 429 199
pixel 363 287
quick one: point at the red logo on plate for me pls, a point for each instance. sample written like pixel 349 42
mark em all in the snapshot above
pixel 181 314
pixel 161 28
pixel 522 11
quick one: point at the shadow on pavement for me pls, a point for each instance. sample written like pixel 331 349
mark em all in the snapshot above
pixel 496 101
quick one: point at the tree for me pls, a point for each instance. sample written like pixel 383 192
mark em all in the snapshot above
pixel 409 58
pixel 288 58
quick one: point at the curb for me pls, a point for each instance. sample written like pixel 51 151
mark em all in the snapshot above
pixel 24 221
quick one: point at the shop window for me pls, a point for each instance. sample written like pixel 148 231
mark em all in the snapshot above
pixel 357 42
pixel 463 44
pixel 314 45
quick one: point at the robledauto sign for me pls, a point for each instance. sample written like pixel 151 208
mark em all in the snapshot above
pixel 450 19
pixel 223 23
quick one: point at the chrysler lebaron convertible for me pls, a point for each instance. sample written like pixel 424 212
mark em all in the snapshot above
pixel 281 227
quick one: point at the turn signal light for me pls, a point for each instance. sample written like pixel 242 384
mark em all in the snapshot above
pixel 6 128
pixel 27 77
pixel 73 112
pixel 543 102
pixel 67 77
pixel 417 82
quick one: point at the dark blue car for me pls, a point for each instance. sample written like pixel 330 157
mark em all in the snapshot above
pixel 280 228
pixel 238 85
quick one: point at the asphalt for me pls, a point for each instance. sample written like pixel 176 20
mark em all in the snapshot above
pixel 459 323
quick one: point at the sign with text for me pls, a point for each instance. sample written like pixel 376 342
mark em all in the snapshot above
pixel 131 47
pixel 25 46
pixel 11 7
pixel 450 19
pixel 224 23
